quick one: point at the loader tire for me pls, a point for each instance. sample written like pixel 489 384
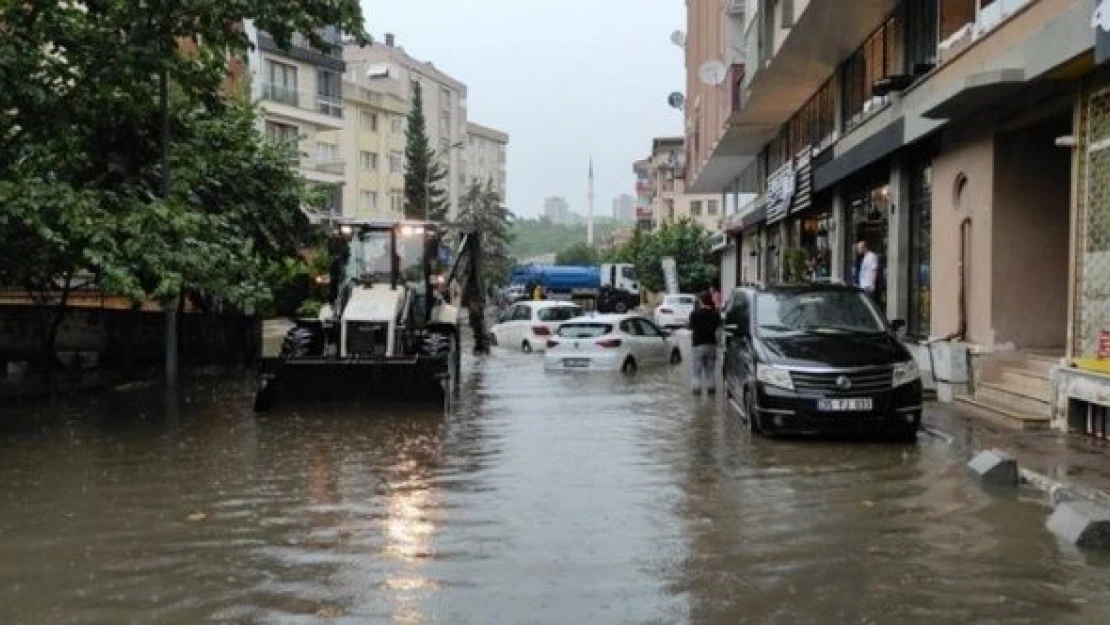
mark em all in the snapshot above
pixel 297 344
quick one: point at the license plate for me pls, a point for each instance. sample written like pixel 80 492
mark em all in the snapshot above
pixel 861 404
pixel 576 362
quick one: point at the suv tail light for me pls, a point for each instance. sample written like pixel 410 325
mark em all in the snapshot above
pixel 552 343
pixel 609 343
pixel 541 331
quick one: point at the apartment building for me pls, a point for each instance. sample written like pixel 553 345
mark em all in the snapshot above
pixel 556 210
pixel 645 191
pixel 964 141
pixel 301 94
pixel 444 102
pixel 486 156
pixel 624 208
pixel 670 200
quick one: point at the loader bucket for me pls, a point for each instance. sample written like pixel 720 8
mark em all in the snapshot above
pixel 420 380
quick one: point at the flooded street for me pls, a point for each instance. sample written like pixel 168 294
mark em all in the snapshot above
pixel 540 499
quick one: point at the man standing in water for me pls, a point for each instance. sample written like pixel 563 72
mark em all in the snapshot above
pixel 704 322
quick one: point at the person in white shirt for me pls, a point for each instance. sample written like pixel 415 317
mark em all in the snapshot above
pixel 868 268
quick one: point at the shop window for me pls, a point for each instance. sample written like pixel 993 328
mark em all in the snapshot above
pixel 920 257
pixel 813 240
pixel 866 216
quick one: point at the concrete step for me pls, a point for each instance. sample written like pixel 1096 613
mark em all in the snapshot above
pixel 1001 416
pixel 1008 399
pixel 1019 381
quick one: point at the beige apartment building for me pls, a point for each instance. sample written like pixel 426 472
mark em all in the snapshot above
pixel 965 141
pixel 301 95
pixel 486 157
pixel 666 171
pixel 389 65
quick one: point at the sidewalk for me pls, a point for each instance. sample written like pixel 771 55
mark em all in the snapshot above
pixel 1064 466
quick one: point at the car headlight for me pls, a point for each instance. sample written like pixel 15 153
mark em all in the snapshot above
pixel 905 373
pixel 774 376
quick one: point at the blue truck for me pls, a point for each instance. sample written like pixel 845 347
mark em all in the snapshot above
pixel 610 287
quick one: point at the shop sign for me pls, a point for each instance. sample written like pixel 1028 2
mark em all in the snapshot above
pixel 1100 23
pixel 803 176
pixel 670 274
pixel 718 242
pixel 780 191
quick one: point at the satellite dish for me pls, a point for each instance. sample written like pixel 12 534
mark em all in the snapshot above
pixel 677 100
pixel 713 72
pixel 678 38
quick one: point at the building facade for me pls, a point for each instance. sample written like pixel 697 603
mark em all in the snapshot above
pixel 670 201
pixel 445 109
pixel 486 157
pixel 645 191
pixel 624 208
pixel 556 210
pixel 301 95
pixel 963 141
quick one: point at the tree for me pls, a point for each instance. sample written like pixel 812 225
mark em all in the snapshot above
pixel 425 197
pixel 686 241
pixel 580 253
pixel 483 210
pixel 126 159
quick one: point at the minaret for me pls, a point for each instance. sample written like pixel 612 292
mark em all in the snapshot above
pixel 590 207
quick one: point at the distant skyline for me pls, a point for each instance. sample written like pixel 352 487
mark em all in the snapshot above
pixel 566 79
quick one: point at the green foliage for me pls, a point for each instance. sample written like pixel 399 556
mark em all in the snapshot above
pixel 425 195
pixel 580 253
pixel 81 177
pixel 483 210
pixel 794 264
pixel 686 241
pixel 535 237
pixel 310 308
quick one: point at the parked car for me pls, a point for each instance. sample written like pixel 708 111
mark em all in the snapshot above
pixel 674 311
pixel 528 324
pixel 624 342
pixel 818 358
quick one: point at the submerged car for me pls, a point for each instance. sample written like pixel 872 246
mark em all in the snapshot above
pixel 674 311
pixel 528 325
pixel 819 359
pixel 624 342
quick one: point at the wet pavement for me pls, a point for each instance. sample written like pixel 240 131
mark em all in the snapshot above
pixel 539 499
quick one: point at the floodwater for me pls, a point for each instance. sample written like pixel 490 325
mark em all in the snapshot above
pixel 539 499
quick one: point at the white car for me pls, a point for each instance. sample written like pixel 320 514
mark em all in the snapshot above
pixel 528 325
pixel 674 311
pixel 623 342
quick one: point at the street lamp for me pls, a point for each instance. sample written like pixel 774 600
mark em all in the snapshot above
pixel 428 178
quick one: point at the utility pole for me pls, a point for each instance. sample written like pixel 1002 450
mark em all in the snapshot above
pixel 170 309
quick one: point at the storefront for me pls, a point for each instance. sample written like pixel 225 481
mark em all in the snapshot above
pixel 810 223
pixel 866 218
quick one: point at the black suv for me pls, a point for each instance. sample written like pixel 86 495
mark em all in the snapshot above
pixel 818 358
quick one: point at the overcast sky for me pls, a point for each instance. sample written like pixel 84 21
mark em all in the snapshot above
pixel 565 78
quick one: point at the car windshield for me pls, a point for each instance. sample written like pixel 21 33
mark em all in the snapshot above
pixel 816 312
pixel 584 330
pixel 559 313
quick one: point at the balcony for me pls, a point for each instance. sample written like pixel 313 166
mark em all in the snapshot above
pixel 281 94
pixel 286 104
pixel 823 35
pixel 331 106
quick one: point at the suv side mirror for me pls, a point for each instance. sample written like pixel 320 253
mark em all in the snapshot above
pixel 898 324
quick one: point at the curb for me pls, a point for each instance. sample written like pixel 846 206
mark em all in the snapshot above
pixel 1056 491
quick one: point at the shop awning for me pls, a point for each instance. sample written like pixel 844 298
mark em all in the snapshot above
pixel 980 90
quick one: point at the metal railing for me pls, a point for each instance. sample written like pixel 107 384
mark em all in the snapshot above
pixel 330 105
pixel 282 94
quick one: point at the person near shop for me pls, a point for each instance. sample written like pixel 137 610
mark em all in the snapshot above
pixel 703 324
pixel 868 268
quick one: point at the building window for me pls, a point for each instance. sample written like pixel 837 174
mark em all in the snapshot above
pixel 329 93
pixel 282 133
pixel 368 201
pixel 711 207
pixel 368 160
pixel 370 121
pixel 920 265
pixel 326 152
pixel 445 124
pixel 695 208
pixel 668 207
pixel 815 123
pixel 398 124
pixel 879 57
pixel 444 146
pixel 397 201
pixel 445 98
pixel 922 35
pixel 280 84
pixel 396 163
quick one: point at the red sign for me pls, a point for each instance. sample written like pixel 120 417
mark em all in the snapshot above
pixel 1104 345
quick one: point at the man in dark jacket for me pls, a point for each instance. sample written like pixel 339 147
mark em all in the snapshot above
pixel 704 322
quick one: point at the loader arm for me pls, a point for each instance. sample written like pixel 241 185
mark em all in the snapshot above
pixel 467 274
